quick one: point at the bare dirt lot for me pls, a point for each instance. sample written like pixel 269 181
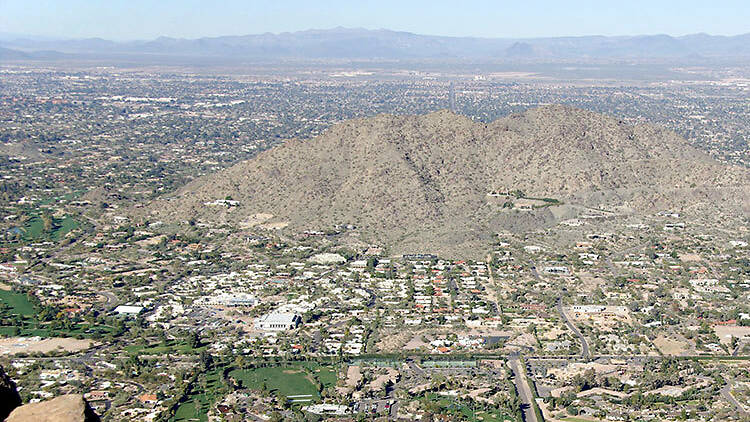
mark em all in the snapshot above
pixel 15 345
pixel 726 332
pixel 672 345
pixel 606 321
pixel 589 281
pixel 353 377
pixel 415 343
pixel 393 341
pixel 690 257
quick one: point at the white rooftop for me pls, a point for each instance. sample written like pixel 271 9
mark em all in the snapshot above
pixel 129 309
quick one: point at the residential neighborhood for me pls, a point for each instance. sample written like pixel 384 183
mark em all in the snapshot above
pixel 576 313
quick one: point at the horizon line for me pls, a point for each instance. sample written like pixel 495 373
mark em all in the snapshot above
pixel 9 36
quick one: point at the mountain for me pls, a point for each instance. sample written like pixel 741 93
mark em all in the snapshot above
pixel 521 50
pixel 421 183
pixel 346 43
pixel 10 54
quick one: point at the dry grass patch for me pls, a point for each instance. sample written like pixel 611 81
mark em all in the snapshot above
pixel 672 345
pixel 15 345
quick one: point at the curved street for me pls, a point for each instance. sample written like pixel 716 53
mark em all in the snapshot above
pixel 585 354
pixel 726 392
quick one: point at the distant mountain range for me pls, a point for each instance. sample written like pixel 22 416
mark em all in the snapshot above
pixel 440 182
pixel 345 43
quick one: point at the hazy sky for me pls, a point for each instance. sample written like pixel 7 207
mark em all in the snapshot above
pixel 145 19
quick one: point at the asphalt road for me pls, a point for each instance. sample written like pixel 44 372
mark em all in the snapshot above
pixel 416 368
pixel 725 392
pixel 524 390
pixel 112 300
pixel 585 354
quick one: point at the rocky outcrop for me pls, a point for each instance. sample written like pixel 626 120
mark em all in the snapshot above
pixel 9 398
pixel 68 408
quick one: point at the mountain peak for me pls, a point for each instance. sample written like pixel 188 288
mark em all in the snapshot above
pixel 422 182
pixel 353 43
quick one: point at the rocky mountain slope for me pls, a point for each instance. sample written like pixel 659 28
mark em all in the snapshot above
pixel 67 408
pixel 421 183
pixel 9 398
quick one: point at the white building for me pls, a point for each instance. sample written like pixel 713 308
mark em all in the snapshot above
pixel 589 309
pixel 326 409
pixel 128 310
pixel 277 321
pixel 232 299
pixel 556 270
pixel 225 202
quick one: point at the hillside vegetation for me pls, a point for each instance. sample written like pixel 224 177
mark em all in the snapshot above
pixel 421 183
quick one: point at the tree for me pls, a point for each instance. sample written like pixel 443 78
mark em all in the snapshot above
pixel 206 360
pixel 193 340
pixel 275 417
pixel 282 400
pixel 48 222
pixel 371 263
pixel 240 361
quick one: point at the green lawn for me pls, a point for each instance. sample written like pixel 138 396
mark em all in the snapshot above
pixel 188 412
pixel 465 410
pixel 67 225
pixel 491 417
pixel 289 380
pixel 198 403
pixel 27 324
pixel 34 228
pixel 326 375
pixel 31 328
pixel 18 303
